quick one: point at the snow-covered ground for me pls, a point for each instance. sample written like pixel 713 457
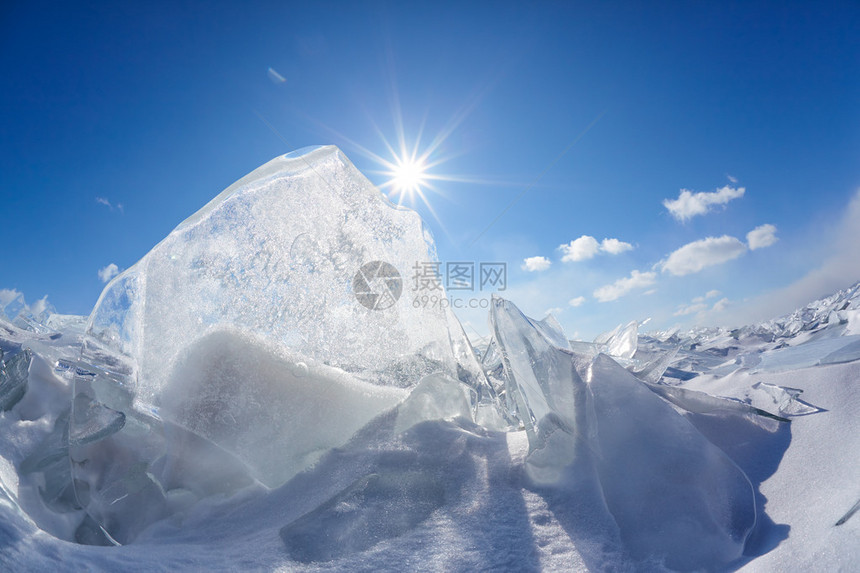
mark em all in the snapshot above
pixel 178 431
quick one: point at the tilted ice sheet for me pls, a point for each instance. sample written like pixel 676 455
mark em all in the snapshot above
pixel 673 494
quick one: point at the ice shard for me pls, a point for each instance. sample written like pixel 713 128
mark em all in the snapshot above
pixel 653 370
pixel 620 342
pixel 13 379
pixel 786 399
pixel 50 460
pixel 672 493
pixel 543 383
pixel 271 324
pixel 703 403
pixel 624 343
pixel 92 421
pixel 437 397
pixel 12 305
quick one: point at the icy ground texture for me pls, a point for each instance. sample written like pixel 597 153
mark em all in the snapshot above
pixel 281 425
pixel 422 487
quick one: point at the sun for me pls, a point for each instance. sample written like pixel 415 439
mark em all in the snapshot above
pixel 408 177
pixel 408 171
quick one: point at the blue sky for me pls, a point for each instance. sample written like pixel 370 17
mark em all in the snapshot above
pixel 119 121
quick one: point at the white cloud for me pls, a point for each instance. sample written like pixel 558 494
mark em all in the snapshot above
pixel 614 246
pixel 580 249
pixel 761 237
pixel 103 201
pixel 555 311
pixel 712 293
pixel 695 256
pixel 108 272
pixel 623 286
pixel 732 179
pixel 686 309
pixel 586 247
pixel 533 264
pixel 689 204
pixel 721 305
pixel 576 301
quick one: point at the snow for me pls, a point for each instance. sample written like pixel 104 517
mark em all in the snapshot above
pixel 294 429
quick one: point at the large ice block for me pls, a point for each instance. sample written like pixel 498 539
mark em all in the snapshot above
pixel 273 323
pixel 277 254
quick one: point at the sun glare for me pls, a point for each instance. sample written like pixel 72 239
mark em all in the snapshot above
pixel 408 177
pixel 409 171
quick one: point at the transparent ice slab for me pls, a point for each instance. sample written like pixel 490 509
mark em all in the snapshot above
pixel 786 400
pixel 277 254
pixel 623 341
pixel 542 382
pixel 271 324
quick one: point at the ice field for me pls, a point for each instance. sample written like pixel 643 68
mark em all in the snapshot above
pixel 252 395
